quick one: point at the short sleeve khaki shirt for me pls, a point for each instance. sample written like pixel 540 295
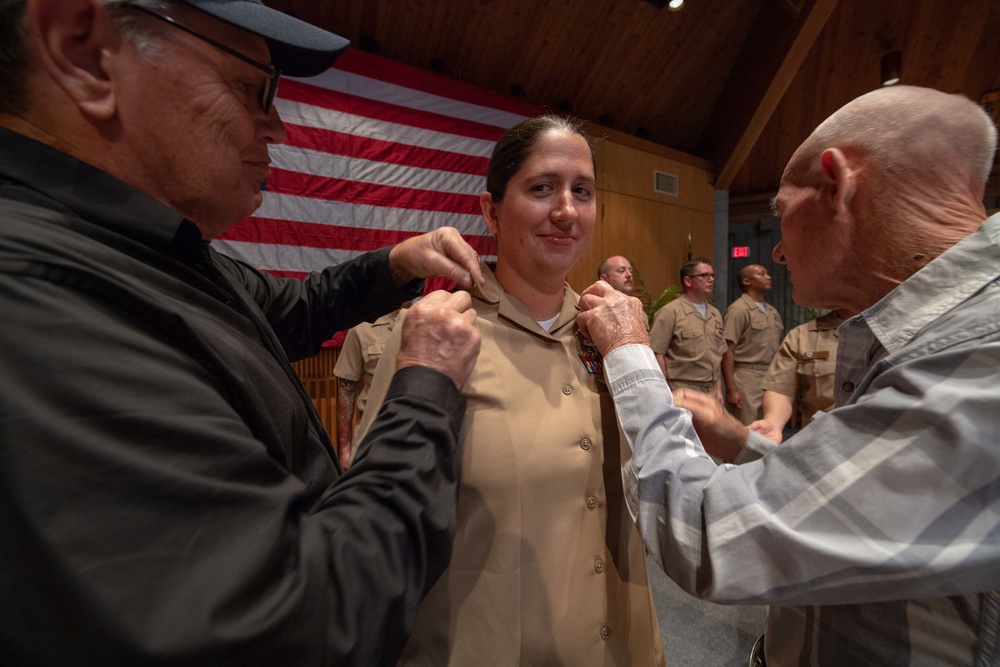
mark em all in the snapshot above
pixel 804 365
pixel 361 352
pixel 756 334
pixel 691 345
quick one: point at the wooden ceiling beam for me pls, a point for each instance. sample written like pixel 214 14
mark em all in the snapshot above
pixel 771 56
pixel 793 7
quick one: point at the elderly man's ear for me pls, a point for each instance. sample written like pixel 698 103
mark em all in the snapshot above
pixel 839 180
pixel 72 43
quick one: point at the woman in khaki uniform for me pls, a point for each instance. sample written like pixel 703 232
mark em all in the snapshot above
pixel 547 567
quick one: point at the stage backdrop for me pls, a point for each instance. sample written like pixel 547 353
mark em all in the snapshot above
pixel 377 152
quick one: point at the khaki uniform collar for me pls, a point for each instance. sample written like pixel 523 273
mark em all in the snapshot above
pixel 828 321
pixel 690 307
pixel 492 296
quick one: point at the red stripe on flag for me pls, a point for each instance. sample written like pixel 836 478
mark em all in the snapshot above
pixel 272 231
pixel 439 282
pixel 390 71
pixel 317 96
pixel 375 150
pixel 277 273
pixel 283 181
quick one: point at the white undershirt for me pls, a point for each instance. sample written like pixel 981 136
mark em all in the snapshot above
pixel 547 324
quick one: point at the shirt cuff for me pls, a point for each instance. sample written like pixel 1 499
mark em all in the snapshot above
pixel 419 383
pixel 627 359
pixel 754 448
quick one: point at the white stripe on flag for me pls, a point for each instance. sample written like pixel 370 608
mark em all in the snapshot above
pixel 373 89
pixel 308 161
pixel 343 214
pixel 271 257
pixel 284 257
pixel 374 223
pixel 307 115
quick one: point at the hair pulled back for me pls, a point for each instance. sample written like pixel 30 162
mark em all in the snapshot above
pixel 515 146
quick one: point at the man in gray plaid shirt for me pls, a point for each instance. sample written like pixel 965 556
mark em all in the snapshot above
pixel 874 533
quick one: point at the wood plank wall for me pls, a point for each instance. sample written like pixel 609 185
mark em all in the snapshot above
pixel 649 228
pixel 317 377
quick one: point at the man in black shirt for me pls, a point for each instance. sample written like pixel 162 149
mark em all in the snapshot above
pixel 167 492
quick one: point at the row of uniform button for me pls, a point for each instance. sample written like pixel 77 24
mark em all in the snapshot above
pixel 566 389
pixel 586 444
pixel 598 562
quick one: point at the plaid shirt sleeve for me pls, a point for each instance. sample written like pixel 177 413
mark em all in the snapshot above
pixel 892 496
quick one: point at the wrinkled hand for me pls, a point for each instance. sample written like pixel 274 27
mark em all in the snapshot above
pixel 440 332
pixel 721 433
pixel 611 319
pixel 767 429
pixel 442 252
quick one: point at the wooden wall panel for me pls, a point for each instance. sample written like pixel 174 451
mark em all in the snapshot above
pixel 629 171
pixel 651 234
pixel 649 228
pixel 320 383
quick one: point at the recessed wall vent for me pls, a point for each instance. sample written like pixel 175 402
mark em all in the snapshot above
pixel 665 183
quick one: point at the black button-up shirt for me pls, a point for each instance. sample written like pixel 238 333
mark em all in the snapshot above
pixel 166 489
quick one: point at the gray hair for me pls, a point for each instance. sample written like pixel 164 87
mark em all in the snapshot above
pixel 15 59
pixel 904 128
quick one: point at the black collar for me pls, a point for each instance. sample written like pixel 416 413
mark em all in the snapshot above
pixel 36 173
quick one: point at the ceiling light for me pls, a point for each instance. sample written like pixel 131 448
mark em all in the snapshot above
pixel 892 68
pixel 675 5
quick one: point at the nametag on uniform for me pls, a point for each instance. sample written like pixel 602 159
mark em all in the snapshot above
pixel 818 354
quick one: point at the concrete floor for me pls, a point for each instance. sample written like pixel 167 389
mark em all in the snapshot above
pixel 702 634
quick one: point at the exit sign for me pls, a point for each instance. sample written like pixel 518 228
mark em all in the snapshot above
pixel 741 251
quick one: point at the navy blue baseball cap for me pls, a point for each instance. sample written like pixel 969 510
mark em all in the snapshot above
pixel 297 48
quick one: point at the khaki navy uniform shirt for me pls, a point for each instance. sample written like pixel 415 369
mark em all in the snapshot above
pixel 359 356
pixel 756 334
pixel 547 566
pixel 804 365
pixel 691 345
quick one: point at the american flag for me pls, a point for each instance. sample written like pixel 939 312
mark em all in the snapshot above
pixel 377 152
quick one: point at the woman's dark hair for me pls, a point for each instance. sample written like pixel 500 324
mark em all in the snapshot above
pixel 516 144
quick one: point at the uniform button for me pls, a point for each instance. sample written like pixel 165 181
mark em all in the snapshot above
pixel 585 443
pixel 549 343
pixel 591 502
pixel 598 564
pixel 605 632
pixel 848 387
pixel 567 389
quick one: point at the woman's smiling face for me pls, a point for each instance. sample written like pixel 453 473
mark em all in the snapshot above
pixel 546 219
